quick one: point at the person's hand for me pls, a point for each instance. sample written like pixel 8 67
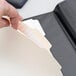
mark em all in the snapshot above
pixel 8 10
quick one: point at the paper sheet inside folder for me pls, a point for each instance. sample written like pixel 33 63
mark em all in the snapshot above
pixel 34 35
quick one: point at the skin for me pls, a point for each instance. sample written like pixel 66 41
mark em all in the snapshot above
pixel 7 9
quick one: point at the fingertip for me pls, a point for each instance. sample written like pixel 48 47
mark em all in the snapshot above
pixel 15 22
pixel 20 18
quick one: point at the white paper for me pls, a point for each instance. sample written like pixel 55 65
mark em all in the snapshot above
pixel 34 34
pixel 34 24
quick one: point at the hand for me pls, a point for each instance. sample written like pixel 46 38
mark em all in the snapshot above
pixel 8 10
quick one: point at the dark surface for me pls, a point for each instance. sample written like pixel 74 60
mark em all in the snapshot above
pixel 62 48
pixel 17 3
pixel 66 11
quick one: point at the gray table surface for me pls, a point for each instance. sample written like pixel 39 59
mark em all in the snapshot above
pixel 62 49
pixel 37 7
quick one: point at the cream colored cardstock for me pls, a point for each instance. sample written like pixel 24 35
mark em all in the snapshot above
pixel 18 49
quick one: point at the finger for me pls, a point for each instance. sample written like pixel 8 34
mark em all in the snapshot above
pixel 14 16
pixel 3 23
pixel 15 22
